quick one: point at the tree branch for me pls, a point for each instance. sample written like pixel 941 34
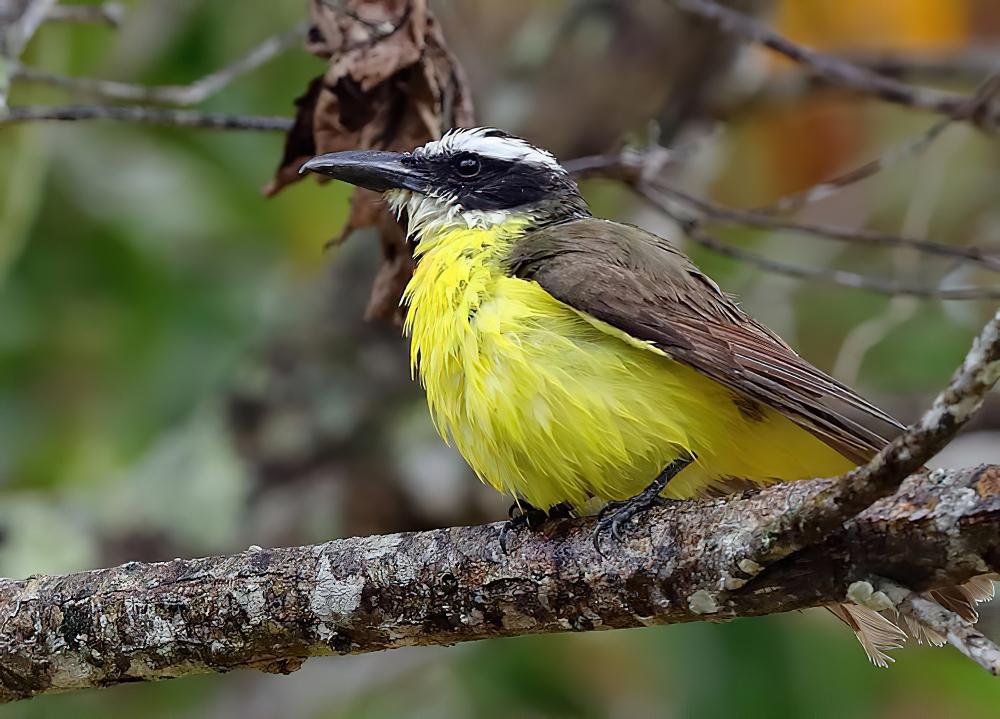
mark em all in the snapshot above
pixel 983 108
pixel 180 95
pixel 641 170
pixel 912 148
pixel 960 634
pixel 111 14
pixel 145 115
pixel 835 70
pixel 15 36
pixel 964 64
pixel 810 522
pixel 270 609
pixel 18 33
pixel 843 278
pixel 749 218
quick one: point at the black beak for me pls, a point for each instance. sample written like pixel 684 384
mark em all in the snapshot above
pixel 371 169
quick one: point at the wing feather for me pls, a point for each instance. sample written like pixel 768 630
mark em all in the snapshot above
pixel 639 284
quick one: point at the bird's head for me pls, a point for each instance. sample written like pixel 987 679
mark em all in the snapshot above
pixel 475 177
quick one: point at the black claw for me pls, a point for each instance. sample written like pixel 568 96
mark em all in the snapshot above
pixel 524 516
pixel 616 514
pixel 613 519
pixel 610 521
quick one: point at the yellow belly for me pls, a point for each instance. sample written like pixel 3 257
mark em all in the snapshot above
pixel 551 406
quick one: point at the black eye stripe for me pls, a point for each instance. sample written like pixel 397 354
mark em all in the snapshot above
pixel 497 183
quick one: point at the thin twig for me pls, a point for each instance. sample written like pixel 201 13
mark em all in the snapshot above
pixel 838 277
pixel 641 170
pixel 831 69
pixel 908 150
pixel 19 33
pixel 960 634
pixel 111 14
pixel 847 495
pixel 854 347
pixel 750 218
pixel 179 95
pixel 145 115
pixel 15 37
pixel 632 165
pixel 965 64
pixel 983 109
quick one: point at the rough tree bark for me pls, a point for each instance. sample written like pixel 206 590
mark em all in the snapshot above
pixel 270 608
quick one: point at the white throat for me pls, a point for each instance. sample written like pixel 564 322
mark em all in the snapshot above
pixel 427 212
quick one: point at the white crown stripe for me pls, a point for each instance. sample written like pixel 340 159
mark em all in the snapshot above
pixel 480 141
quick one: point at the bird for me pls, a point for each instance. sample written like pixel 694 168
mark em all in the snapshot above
pixel 572 359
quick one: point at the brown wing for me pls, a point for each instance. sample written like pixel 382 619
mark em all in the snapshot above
pixel 638 283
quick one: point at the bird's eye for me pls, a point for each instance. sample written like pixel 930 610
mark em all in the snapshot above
pixel 467 166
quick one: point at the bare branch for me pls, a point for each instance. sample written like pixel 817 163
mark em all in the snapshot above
pixel 641 170
pixel 832 69
pixel 965 64
pixel 14 38
pixel 111 14
pixel 960 634
pixel 751 218
pixel 145 115
pixel 913 148
pixel 858 489
pixel 960 65
pixel 180 95
pixel 272 608
pixel 18 34
pixel 983 109
pixel 837 277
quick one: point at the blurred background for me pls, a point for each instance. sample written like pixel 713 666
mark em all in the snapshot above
pixel 184 370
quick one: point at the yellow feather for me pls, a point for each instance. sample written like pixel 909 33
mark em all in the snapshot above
pixel 551 405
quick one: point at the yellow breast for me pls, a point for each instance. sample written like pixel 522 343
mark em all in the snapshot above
pixel 553 406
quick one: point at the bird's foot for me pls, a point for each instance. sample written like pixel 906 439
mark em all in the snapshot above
pixel 618 513
pixel 524 516
pixel 613 517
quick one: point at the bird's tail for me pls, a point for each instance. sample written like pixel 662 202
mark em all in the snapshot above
pixel 881 632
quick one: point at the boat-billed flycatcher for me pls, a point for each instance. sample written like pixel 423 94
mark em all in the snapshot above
pixel 570 358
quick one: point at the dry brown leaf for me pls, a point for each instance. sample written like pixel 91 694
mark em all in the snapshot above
pixel 392 84
pixel 299 142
